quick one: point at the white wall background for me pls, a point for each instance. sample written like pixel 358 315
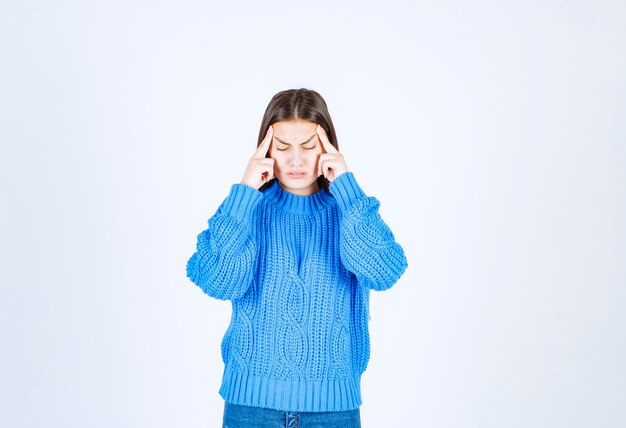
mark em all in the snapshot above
pixel 493 133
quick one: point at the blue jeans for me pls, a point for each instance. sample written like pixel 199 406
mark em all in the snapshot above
pixel 236 416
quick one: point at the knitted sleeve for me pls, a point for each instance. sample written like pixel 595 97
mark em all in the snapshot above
pixel 367 246
pixel 223 263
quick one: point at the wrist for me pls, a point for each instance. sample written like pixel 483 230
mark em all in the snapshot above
pixel 346 190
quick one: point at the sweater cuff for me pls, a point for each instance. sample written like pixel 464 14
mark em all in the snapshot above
pixel 346 190
pixel 241 201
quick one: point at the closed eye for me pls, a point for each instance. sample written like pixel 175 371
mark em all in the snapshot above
pixel 305 148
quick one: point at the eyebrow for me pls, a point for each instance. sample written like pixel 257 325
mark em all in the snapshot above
pixel 287 144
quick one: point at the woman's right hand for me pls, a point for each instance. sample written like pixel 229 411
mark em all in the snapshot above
pixel 260 169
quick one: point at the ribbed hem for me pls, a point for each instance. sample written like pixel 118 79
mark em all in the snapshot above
pixel 346 190
pixel 297 204
pixel 241 201
pixel 294 396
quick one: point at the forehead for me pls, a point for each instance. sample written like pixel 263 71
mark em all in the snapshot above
pixel 294 130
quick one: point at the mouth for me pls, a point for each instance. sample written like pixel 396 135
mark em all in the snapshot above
pixel 296 174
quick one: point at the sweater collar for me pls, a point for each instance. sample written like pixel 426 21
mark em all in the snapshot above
pixel 297 204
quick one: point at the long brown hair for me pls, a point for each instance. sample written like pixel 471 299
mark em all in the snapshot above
pixel 304 104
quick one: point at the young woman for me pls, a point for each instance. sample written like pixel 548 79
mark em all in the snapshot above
pixel 296 247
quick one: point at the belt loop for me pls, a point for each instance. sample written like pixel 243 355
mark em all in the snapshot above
pixel 292 419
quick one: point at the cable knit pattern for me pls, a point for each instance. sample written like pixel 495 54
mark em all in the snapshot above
pixel 298 271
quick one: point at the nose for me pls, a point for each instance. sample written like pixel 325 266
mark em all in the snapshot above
pixel 296 158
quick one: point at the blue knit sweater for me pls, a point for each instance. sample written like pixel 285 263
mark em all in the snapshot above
pixel 298 270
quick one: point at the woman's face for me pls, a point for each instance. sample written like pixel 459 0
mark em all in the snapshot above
pixel 296 149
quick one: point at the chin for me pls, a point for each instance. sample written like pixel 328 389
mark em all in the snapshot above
pixel 293 185
pixel 297 184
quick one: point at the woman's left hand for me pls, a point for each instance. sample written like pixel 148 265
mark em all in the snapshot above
pixel 331 163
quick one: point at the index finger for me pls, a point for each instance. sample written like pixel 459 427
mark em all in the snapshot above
pixel 263 148
pixel 325 141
